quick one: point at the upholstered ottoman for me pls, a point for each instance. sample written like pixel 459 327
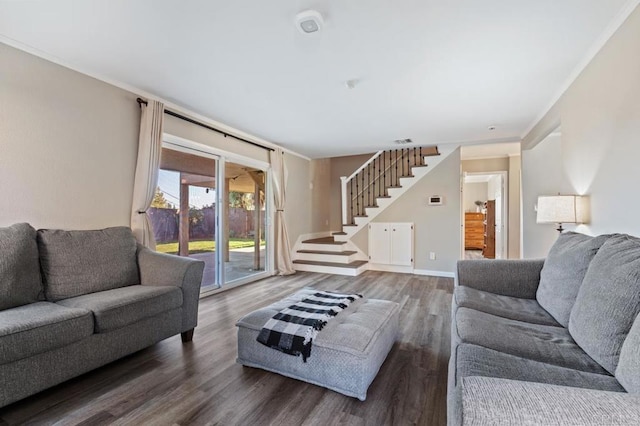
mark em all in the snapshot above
pixel 345 356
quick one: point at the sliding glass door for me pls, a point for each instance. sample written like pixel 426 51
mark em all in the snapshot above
pixel 212 210
pixel 244 213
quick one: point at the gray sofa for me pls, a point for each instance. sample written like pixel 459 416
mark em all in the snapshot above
pixel 554 341
pixel 71 301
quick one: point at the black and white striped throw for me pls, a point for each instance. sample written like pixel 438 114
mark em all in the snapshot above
pixel 293 329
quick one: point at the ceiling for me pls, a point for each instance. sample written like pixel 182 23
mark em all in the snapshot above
pixel 435 71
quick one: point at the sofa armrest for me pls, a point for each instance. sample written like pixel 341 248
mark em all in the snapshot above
pixel 515 278
pixel 167 270
pixel 509 402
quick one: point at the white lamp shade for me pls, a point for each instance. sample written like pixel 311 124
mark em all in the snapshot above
pixel 562 209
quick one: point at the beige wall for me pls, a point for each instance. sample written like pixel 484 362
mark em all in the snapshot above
pixel 486 165
pixel 68 146
pixel 515 165
pixel 597 153
pixel 541 175
pixel 177 127
pixel 474 191
pixel 320 173
pixel 437 228
pixel 299 195
pixel 341 166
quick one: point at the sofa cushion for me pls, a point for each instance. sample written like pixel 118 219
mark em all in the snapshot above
pixel 20 281
pixel 628 370
pixel 40 327
pixel 563 272
pixel 120 307
pixel 527 310
pixel 536 342
pixel 608 301
pixel 473 360
pixel 81 262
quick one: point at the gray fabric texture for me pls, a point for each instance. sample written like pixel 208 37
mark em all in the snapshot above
pixel 515 278
pixel 628 370
pixel 39 327
pixel 527 310
pixel 30 375
pixel 120 307
pixel 81 262
pixel 490 401
pixel 20 280
pixel 340 360
pixel 563 272
pixel 473 360
pixel 159 269
pixel 608 301
pixel 536 342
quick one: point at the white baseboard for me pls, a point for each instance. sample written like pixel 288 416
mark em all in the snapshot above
pixel 391 268
pixel 434 273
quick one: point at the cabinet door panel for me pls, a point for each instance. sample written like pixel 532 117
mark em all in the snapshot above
pixel 379 243
pixel 401 244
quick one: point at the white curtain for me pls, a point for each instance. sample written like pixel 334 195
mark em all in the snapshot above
pixel 284 265
pixel 146 180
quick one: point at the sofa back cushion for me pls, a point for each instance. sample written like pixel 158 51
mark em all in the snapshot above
pixel 563 272
pixel 80 262
pixel 608 301
pixel 628 371
pixel 20 280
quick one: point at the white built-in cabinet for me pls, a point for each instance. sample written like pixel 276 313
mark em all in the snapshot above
pixel 391 243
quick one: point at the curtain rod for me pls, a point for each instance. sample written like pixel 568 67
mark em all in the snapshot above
pixel 206 126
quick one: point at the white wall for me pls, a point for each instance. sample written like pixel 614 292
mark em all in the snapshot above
pixel 598 151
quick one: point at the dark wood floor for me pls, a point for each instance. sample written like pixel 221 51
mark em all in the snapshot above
pixel 200 383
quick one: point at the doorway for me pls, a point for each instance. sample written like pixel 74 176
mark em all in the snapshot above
pixel 485 206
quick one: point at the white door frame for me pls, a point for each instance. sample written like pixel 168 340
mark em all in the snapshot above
pixel 505 209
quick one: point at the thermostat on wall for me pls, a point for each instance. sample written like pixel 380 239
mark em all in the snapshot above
pixel 435 200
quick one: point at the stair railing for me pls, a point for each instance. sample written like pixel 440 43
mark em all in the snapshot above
pixel 380 172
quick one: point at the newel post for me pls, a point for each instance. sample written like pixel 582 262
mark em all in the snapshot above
pixel 343 186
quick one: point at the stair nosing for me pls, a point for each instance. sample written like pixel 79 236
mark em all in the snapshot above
pixel 332 253
pixel 352 265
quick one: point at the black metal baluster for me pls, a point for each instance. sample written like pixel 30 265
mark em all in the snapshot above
pixel 408 166
pixel 357 198
pixel 397 177
pixel 415 160
pixel 351 201
pixel 368 184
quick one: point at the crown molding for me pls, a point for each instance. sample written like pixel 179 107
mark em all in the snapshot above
pixel 595 48
pixel 143 94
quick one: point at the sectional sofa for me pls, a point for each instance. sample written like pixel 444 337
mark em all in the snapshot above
pixel 554 341
pixel 71 301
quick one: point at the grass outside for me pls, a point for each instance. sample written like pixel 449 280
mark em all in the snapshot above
pixel 205 246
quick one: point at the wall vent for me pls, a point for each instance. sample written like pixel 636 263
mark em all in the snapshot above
pixel 402 141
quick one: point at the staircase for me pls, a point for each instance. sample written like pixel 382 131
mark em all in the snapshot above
pixel 365 194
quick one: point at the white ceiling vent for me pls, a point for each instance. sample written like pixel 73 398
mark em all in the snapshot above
pixel 309 21
pixel 402 141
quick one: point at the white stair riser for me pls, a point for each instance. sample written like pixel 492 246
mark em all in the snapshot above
pixel 323 247
pixel 335 258
pixel 330 269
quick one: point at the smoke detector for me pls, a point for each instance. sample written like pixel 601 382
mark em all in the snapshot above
pixel 309 21
pixel 402 141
